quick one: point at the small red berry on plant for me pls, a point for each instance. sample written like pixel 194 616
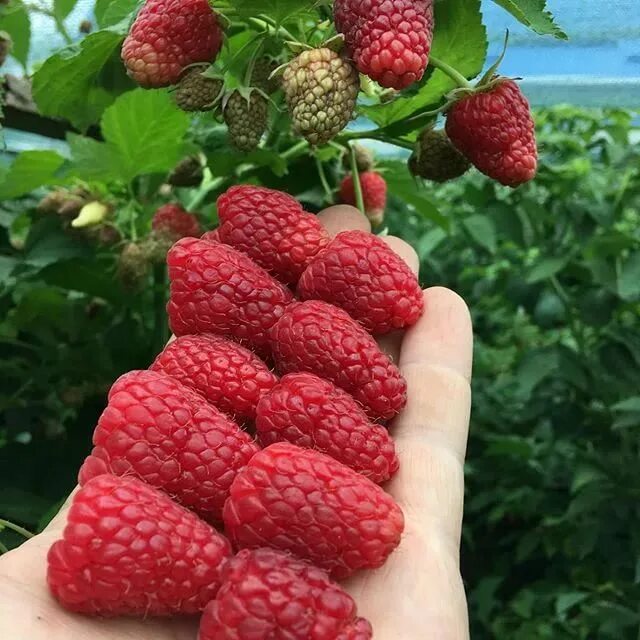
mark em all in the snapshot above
pixel 374 194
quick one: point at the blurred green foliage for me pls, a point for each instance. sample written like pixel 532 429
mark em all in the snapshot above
pixel 551 272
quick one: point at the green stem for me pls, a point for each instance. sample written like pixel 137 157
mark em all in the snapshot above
pixel 62 29
pixel 357 187
pixel 3 549
pixel 323 179
pixel 456 76
pixel 295 150
pixel 5 524
pixel 204 191
pixel 267 23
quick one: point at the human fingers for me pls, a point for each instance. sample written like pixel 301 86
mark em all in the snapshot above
pixel 431 432
pixel 343 217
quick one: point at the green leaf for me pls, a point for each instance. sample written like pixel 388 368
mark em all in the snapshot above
pixel 482 230
pixel 402 185
pixel 16 23
pixel 276 9
pixel 62 8
pixel 93 160
pixel 533 14
pixel 460 40
pixel 535 367
pixel 64 86
pixel 565 601
pixel 7 265
pixel 111 12
pixel 630 404
pixel 30 170
pixel 146 131
pixel 546 268
pixel 629 278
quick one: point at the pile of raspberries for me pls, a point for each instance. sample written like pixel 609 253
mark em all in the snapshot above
pixel 263 419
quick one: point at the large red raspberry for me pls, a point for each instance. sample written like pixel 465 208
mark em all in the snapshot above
pixel 128 549
pixel 272 228
pixel 169 436
pixel 216 289
pixel 494 129
pixel 270 595
pixel 374 194
pixel 313 413
pixel 166 37
pixel 389 40
pixel 304 502
pixel 173 222
pixel 362 274
pixel 317 337
pixel 229 376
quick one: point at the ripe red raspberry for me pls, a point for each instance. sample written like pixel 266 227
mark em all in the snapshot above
pixel 272 228
pixel 306 503
pixel 211 236
pixel 315 414
pixel 494 129
pixel 360 273
pixel 216 289
pixel 173 222
pixel 270 595
pixel 389 40
pixel 317 337
pixel 374 194
pixel 166 37
pixel 229 376
pixel 128 549
pixel 169 436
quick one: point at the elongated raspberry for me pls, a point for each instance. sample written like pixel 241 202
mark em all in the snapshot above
pixel 229 376
pixel 436 158
pixel 216 289
pixel 173 222
pixel 128 549
pixel 270 595
pixel 315 414
pixel 306 503
pixel 166 37
pixel 360 273
pixel 494 129
pixel 316 337
pixel 321 88
pixel 157 429
pixel 374 194
pixel 272 228
pixel 389 40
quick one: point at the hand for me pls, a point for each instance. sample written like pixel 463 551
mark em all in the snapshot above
pixel 418 593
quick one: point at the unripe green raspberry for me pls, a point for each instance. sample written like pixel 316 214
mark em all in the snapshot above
pixel 246 118
pixel 321 89
pixel 197 92
pixel 435 158
pixel 133 266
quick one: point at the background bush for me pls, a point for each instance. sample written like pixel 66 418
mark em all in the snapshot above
pixel 551 272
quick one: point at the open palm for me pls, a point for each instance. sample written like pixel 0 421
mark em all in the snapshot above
pixel 418 593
